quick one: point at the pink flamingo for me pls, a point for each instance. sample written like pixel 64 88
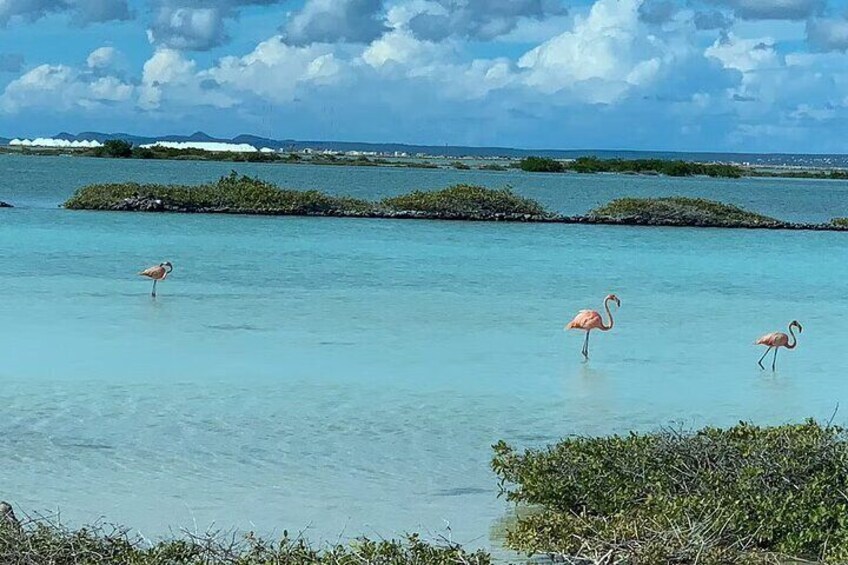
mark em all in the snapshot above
pixel 776 340
pixel 157 273
pixel 588 320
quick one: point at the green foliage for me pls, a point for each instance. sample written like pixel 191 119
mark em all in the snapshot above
pixel 833 174
pixel 746 494
pixel 672 168
pixel 680 209
pixel 541 165
pixel 41 542
pixel 459 165
pixel 233 193
pixel 840 222
pixel 492 167
pixel 463 199
pixel 241 194
pixel 114 148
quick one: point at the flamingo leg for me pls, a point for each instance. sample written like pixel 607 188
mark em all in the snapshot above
pixel 586 346
pixel 153 294
pixel 774 361
pixel 760 362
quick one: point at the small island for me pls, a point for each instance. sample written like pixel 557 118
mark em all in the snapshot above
pixel 236 194
pixel 681 211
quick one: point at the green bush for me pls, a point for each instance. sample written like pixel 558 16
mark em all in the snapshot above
pixel 541 165
pixel 840 222
pixel 679 208
pixel 234 193
pixel 591 164
pixel 672 168
pixel 41 542
pixel 464 199
pixel 746 494
pixel 113 148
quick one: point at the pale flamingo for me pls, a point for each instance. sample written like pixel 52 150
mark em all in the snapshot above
pixel 157 273
pixel 776 340
pixel 588 320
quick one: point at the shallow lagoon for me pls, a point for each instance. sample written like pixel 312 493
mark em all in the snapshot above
pixel 349 376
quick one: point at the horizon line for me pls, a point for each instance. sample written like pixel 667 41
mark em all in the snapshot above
pixel 117 135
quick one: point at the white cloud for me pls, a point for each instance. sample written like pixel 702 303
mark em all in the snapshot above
pixel 828 34
pixel 82 12
pixel 179 27
pixel 171 80
pixel 745 55
pixel 60 87
pixel 478 19
pixel 400 47
pixel 774 9
pixel 333 21
pixel 276 71
pixel 605 54
pixel 102 58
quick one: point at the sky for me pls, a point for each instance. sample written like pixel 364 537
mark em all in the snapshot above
pixel 689 75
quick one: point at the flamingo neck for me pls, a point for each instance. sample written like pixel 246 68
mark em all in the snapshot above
pixel 794 338
pixel 609 313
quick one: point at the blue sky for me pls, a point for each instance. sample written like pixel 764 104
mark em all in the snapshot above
pixel 722 75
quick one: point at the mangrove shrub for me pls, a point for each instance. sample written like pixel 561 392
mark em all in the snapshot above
pixel 746 494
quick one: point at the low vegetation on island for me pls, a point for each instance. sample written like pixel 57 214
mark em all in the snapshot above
pixel 236 194
pixel 745 495
pixel 668 167
pixel 466 199
pixel 679 210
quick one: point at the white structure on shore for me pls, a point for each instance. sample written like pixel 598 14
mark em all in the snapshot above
pixel 51 142
pixel 208 146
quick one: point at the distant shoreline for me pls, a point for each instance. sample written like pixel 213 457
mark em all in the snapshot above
pixel 585 164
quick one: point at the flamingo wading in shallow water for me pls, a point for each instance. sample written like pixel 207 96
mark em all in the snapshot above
pixel 588 320
pixel 157 273
pixel 776 340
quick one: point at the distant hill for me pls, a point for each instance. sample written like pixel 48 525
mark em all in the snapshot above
pixel 762 159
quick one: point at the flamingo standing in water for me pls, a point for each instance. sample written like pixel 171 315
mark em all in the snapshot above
pixel 588 320
pixel 157 273
pixel 776 340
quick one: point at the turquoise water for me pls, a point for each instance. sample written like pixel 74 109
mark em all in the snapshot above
pixel 348 377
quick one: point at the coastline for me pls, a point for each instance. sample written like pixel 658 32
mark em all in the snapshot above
pixel 587 164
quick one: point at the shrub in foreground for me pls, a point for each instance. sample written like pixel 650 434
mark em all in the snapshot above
pixel 41 542
pixel 745 494
pixel 681 209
